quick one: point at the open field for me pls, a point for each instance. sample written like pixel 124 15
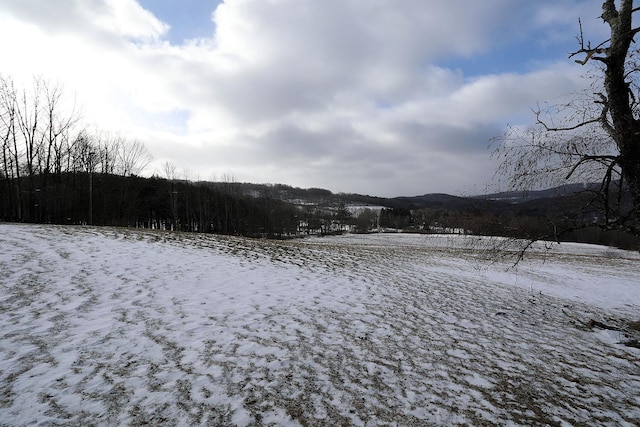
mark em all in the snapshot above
pixel 104 326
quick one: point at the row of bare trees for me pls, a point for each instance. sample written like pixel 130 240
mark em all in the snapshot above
pixel 54 170
pixel 45 149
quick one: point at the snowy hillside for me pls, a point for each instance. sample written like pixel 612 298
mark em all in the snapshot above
pixel 122 327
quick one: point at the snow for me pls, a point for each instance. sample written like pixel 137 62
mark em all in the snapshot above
pixel 106 326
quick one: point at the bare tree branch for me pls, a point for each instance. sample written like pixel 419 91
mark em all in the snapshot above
pixel 585 159
pixel 588 50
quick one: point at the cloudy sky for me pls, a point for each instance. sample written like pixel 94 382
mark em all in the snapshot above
pixel 380 97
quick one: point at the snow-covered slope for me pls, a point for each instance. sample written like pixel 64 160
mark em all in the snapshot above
pixel 126 327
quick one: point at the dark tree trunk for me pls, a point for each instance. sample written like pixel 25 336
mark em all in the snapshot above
pixel 624 128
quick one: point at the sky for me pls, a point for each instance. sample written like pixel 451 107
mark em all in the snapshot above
pixel 379 97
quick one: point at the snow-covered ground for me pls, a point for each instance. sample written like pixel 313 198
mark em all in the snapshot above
pixel 103 326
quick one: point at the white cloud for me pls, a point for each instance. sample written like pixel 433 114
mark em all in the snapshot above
pixel 125 18
pixel 338 93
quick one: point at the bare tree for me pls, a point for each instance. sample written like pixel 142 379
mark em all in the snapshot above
pixel 231 191
pixel 133 157
pixel 83 152
pixel 108 147
pixel 171 173
pixel 7 124
pixel 593 137
pixel 169 170
pixel 58 124
pixel 28 115
pixel 10 154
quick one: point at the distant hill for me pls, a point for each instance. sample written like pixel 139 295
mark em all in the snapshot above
pixel 537 203
pixel 524 196
pixel 446 201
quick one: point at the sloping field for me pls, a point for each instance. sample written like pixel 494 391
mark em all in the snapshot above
pixel 125 327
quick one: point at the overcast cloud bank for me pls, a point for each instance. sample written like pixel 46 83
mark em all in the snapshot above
pixel 356 96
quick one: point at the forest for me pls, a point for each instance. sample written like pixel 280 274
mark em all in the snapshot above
pixel 54 170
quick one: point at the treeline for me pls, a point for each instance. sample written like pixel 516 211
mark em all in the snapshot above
pixel 157 203
pixel 46 154
pixel 54 170
pixel 519 221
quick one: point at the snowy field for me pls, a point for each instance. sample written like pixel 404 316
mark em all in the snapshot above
pixel 115 327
